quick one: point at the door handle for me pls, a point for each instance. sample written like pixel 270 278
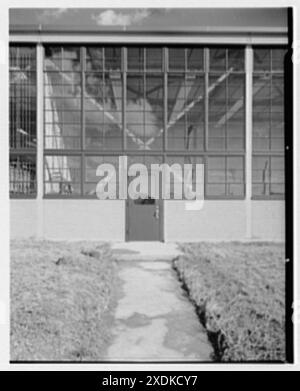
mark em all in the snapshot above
pixel 156 213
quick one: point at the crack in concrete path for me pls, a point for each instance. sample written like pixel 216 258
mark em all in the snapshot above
pixel 154 319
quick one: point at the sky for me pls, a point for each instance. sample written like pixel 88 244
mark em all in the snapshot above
pixel 147 18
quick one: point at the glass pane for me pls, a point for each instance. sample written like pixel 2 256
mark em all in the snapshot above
pixel 113 92
pixel 235 190
pixel 261 113
pixel 94 59
pixel 217 59
pixel 217 107
pixel 261 124
pixel 62 175
pixel 195 59
pixel 22 97
pixel 277 189
pixel 174 187
pixel 103 136
pixel 22 58
pixel 194 89
pixel 277 124
pixel 235 170
pixel 216 170
pixel 63 116
pixel 144 112
pixel 91 179
pixel 225 176
pixel 261 93
pixel 185 112
pixel 176 59
pixel 112 58
pixel 176 94
pixel 63 84
pixel 66 58
pixel 278 59
pixel 65 103
pixel 277 144
pixel 22 175
pixel 155 94
pixel 217 95
pixel 277 169
pixel 277 96
pixel 277 176
pixel 236 125
pixel 261 144
pixel 260 190
pixel 236 58
pixel 262 59
pixel 235 115
pixel 135 108
pixel 236 92
pixel 135 92
pixel 153 59
pixel 103 107
pixel 135 59
pixel 94 85
pixel 235 144
pixel 268 112
pixel 71 59
pixel 217 143
pixel 216 190
pixel 62 136
pixel 260 175
pixel 53 58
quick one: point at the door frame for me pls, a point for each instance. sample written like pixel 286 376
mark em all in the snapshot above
pixel 160 223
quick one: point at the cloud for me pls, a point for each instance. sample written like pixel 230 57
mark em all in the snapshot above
pixel 51 13
pixel 113 18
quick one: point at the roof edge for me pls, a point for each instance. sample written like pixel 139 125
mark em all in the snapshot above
pixel 193 30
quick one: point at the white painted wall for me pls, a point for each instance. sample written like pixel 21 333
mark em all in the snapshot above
pixel 23 218
pixel 217 220
pixel 70 219
pixel 268 220
pixel 224 220
pixel 105 220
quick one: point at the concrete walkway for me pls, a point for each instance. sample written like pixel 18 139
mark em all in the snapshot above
pixel 154 320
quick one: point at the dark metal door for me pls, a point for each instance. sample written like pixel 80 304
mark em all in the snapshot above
pixel 143 219
pixel 144 215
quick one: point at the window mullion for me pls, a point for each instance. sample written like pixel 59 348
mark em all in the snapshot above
pixel 270 112
pixel 82 160
pixel 124 96
pixel 144 101
pixel 206 97
pixel 248 129
pixel 39 121
pixel 165 94
pixel 226 177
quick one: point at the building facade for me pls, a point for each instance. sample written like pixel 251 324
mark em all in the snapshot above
pixel 82 98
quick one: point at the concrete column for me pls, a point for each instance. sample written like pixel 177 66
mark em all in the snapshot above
pixel 248 128
pixel 40 140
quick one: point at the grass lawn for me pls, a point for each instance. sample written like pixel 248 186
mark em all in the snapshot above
pixel 62 296
pixel 239 292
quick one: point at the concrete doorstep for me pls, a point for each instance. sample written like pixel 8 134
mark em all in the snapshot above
pixel 154 319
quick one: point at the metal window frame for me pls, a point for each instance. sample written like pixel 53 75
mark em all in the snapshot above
pixel 165 151
pixel 264 197
pixel 29 151
pixel 268 152
pixel 16 153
